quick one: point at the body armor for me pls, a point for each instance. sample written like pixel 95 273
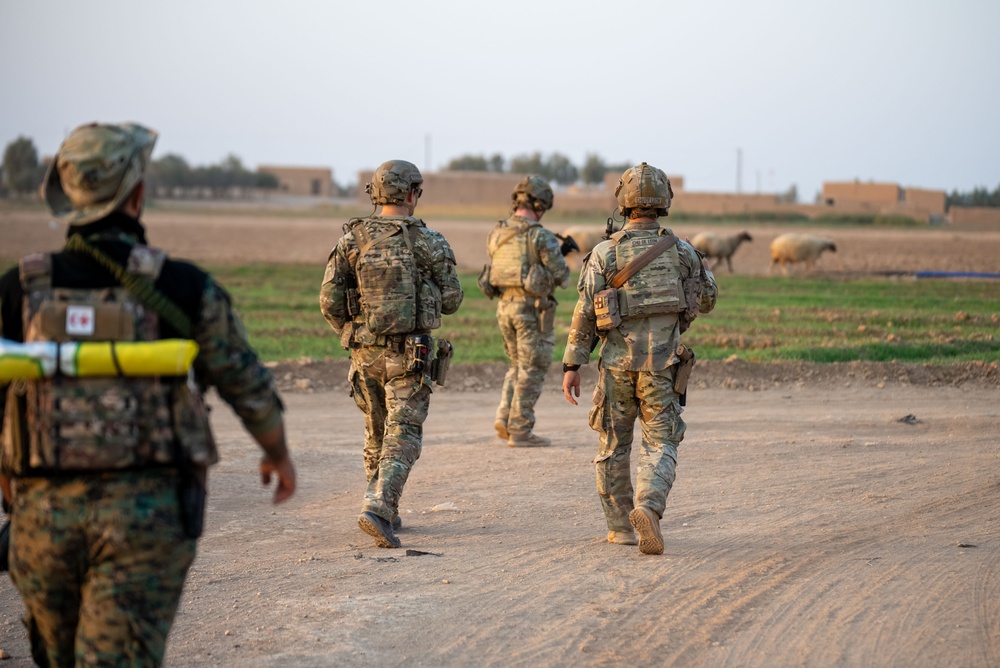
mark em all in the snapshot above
pixel 65 424
pixel 395 297
pixel 513 256
pixel 657 288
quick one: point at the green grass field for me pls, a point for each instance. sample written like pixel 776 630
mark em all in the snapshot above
pixel 758 319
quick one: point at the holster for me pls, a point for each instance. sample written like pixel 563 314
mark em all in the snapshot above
pixel 441 363
pixel 546 307
pixel 192 492
pixel 683 374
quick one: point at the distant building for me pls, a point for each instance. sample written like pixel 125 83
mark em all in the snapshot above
pixel 302 181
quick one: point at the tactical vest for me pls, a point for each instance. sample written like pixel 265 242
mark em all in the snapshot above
pixel 512 256
pixel 67 424
pixel 394 295
pixel 656 289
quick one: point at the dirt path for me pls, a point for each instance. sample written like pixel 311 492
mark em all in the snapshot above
pixel 808 526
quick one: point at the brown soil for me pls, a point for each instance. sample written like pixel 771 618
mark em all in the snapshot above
pixel 823 515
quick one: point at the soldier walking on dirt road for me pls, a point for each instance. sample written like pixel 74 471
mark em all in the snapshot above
pixel 526 265
pixel 639 290
pixel 104 462
pixel 387 282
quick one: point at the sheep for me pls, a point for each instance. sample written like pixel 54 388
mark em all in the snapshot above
pixel 586 237
pixel 791 248
pixel 720 246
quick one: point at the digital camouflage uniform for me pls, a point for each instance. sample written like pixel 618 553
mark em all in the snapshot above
pixel 638 362
pixel 520 317
pixel 393 402
pixel 100 556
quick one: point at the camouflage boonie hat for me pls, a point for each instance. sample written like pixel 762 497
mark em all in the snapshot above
pixel 96 169
pixel 392 181
pixel 533 187
pixel 643 187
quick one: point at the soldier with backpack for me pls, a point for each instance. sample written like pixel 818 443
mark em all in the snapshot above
pixel 639 290
pixel 387 283
pixel 526 265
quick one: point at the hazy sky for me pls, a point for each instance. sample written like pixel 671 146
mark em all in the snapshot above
pixel 810 90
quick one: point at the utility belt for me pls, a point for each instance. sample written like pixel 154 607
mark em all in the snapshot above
pixel 418 351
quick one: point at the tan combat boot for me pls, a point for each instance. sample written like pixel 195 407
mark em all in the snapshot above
pixel 528 441
pixel 647 525
pixel 501 428
pixel 622 538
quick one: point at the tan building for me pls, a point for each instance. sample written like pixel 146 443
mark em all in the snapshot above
pixel 931 200
pixel 860 192
pixel 302 181
pixel 981 217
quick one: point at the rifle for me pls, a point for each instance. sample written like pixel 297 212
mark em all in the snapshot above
pixel 568 244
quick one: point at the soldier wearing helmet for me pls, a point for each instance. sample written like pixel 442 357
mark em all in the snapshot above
pixel 387 283
pixel 526 264
pixel 105 473
pixel 639 290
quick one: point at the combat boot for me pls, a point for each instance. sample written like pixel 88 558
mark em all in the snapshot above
pixel 501 427
pixel 528 441
pixel 622 538
pixel 397 523
pixel 378 528
pixel 647 525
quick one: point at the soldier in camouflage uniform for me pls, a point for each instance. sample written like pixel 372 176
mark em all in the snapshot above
pixel 105 475
pixel 640 330
pixel 526 265
pixel 387 282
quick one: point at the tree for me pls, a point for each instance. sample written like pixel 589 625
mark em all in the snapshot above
pixel 469 163
pixel 561 170
pixel 496 163
pixel 21 170
pixel 529 164
pixel 594 169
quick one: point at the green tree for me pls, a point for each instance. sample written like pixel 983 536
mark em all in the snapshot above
pixel 496 163
pixel 560 169
pixel 22 173
pixel 469 163
pixel 594 169
pixel 529 164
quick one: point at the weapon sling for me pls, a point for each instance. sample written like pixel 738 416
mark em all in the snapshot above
pixel 633 267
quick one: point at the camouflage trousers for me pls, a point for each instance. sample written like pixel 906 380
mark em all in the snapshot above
pixel 395 407
pixel 100 562
pixel 621 396
pixel 530 354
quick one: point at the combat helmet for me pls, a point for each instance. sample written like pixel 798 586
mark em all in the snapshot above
pixel 644 187
pixel 96 169
pixel 392 181
pixel 534 192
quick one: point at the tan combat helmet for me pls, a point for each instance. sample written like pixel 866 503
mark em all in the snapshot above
pixel 392 181
pixel 644 187
pixel 533 192
pixel 96 169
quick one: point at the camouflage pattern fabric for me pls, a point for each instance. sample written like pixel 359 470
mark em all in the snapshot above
pixel 621 396
pixel 394 403
pixel 530 354
pixel 640 344
pixel 395 407
pixel 528 349
pixel 638 365
pixel 100 562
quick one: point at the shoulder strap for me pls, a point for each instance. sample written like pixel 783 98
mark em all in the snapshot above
pixel 382 236
pixel 629 270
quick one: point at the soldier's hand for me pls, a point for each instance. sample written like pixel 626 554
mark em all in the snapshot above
pixel 285 472
pixel 571 386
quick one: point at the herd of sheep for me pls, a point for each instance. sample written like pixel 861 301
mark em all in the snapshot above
pixel 786 249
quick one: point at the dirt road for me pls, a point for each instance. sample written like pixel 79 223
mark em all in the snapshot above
pixel 807 527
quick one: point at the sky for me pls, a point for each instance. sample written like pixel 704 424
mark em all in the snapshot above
pixel 795 92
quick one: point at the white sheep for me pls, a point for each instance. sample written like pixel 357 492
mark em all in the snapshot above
pixel 586 237
pixel 790 248
pixel 719 246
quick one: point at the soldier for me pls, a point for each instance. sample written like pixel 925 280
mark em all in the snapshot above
pixel 105 475
pixel 387 282
pixel 639 290
pixel 526 265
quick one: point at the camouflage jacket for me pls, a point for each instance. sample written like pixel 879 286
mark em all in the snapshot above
pixel 434 257
pixel 642 344
pixel 544 242
pixel 225 360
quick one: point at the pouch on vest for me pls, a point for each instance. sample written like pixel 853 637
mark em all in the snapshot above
pixel 606 309
pixel 485 286
pixel 386 271
pixel 428 305
pixel 539 281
